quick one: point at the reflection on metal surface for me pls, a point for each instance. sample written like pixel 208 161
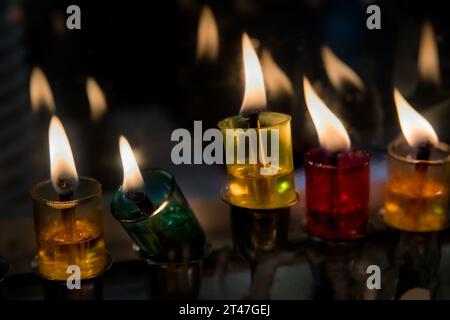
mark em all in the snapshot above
pixel 91 289
pixel 417 259
pixel 257 232
pixel 175 280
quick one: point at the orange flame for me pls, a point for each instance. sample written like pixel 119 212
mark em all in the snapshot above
pixel 338 72
pixel 277 82
pixel 416 129
pixel 62 165
pixel 40 93
pixel 97 100
pixel 428 63
pixel 132 177
pixel 207 36
pixel 332 135
pixel 255 92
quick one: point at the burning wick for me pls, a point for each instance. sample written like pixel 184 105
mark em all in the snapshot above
pixel 417 130
pixel 133 182
pixel 254 92
pixel 333 157
pixel 337 177
pixel 63 173
pixel 333 137
pixel 423 152
pixel 142 201
pixel 252 119
pixel 420 135
pixel 414 200
pixel 67 196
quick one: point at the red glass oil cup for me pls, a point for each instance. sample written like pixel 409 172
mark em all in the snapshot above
pixel 337 194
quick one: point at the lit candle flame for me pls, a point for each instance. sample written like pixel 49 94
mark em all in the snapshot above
pixel 97 100
pixel 207 36
pixel 64 175
pixel 338 72
pixel 254 92
pixel 277 82
pixel 332 135
pixel 416 129
pixel 132 177
pixel 428 63
pixel 40 93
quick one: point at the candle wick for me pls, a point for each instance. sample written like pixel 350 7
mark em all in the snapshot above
pixel 67 187
pixel 333 158
pixel 252 118
pixel 68 214
pixel 423 152
pixel 142 201
pixel 254 123
pixel 66 196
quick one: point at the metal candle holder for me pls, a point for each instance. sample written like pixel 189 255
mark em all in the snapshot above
pixel 173 280
pixel 256 232
pixel 90 289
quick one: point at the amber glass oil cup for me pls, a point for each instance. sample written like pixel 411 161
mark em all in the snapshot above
pixel 416 196
pixel 69 233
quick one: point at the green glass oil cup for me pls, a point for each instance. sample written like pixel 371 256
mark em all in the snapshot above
pixel 172 233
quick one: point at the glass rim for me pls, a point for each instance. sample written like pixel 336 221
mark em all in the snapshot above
pixel 37 197
pixel 365 162
pixel 287 118
pixel 173 185
pixel 441 146
pixel 164 202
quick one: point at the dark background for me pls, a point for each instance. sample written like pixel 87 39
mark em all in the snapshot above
pixel 144 53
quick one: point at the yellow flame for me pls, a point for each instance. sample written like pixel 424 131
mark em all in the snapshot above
pixel 132 177
pixel 207 36
pixel 62 165
pixel 428 63
pixel 338 72
pixel 254 92
pixel 416 129
pixel 97 100
pixel 40 93
pixel 277 82
pixel 139 156
pixel 332 135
